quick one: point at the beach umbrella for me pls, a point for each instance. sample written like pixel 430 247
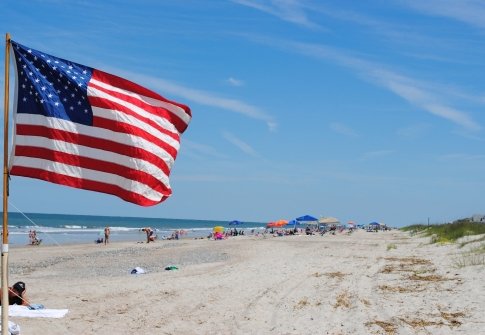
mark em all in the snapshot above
pixel 306 218
pixel 218 229
pixel 328 220
pixel 277 224
pixel 374 223
pixel 236 222
pixel 281 223
pixel 294 223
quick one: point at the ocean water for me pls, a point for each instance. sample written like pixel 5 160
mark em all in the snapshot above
pixel 61 229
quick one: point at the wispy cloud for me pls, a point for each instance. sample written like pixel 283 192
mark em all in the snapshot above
pixel 288 10
pixel 343 129
pixel 421 95
pixel 234 82
pixel 243 146
pixel 470 12
pixel 409 36
pixel 424 95
pixel 204 98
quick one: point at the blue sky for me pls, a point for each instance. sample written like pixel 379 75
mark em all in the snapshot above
pixel 366 111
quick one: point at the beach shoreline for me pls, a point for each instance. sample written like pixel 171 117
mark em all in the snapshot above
pixel 362 283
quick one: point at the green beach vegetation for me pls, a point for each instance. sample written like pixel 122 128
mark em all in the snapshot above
pixel 451 232
pixel 448 232
pixel 391 246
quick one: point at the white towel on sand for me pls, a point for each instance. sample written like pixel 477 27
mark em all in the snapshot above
pixel 25 312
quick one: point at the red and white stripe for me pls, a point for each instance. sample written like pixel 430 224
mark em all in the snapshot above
pixel 128 151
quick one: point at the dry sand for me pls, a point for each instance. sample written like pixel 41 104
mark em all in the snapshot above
pixel 364 283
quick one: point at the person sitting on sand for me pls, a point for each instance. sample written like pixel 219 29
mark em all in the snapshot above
pixel 16 294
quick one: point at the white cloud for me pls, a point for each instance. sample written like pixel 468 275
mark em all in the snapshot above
pixel 426 96
pixel 411 91
pixel 287 10
pixel 234 82
pixel 470 12
pixel 243 146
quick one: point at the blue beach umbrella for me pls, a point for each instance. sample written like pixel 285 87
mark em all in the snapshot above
pixel 236 222
pixel 294 223
pixel 306 218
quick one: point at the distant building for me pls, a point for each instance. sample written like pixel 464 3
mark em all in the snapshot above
pixel 478 218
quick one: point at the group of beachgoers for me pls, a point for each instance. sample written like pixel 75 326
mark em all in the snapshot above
pixel 322 230
pixel 222 235
pixel 33 240
pixel 151 235
pixel 308 230
pixel 313 230
pixel 105 240
pixel 176 234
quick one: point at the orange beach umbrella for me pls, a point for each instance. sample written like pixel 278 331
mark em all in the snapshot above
pixel 277 224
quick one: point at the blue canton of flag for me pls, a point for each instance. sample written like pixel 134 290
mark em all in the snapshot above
pixel 52 86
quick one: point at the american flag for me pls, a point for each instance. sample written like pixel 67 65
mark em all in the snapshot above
pixel 85 128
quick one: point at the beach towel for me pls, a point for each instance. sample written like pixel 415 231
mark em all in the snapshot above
pixel 25 312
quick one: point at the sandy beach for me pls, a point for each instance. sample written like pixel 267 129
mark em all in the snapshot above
pixel 363 283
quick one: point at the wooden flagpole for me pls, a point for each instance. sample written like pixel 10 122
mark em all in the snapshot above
pixel 5 300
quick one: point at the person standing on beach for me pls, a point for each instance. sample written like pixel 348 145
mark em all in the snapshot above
pixel 107 231
pixel 147 231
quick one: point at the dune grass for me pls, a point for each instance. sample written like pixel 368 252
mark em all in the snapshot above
pixel 481 239
pixel 449 232
pixel 469 259
pixel 391 246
